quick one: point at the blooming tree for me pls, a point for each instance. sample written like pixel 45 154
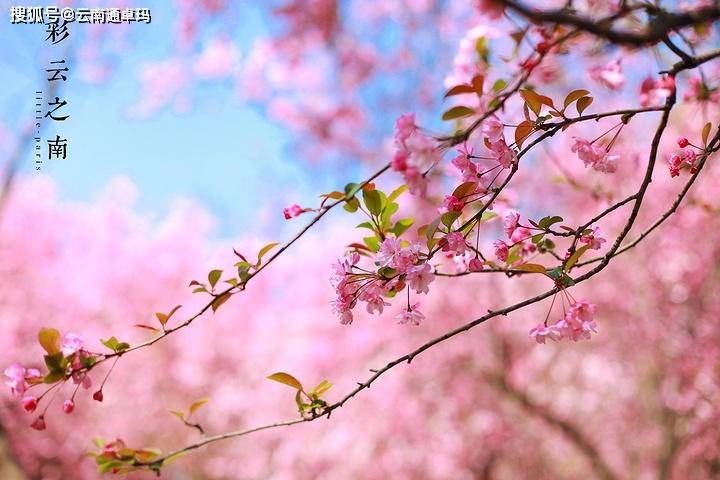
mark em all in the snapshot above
pixel 540 184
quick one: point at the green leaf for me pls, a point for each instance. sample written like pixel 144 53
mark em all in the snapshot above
pixel 575 257
pixel 531 267
pixel 113 344
pixel 351 189
pixel 197 404
pixel 372 201
pixel 265 250
pixel 163 318
pixel 499 85
pixel 287 379
pixel 458 112
pixel 547 222
pixel 217 303
pixel 49 339
pixel 214 276
pixel 373 243
pixel 367 225
pixel 389 210
pixel 321 388
pixel 432 228
pixel 53 377
pixel 706 133
pixel 352 205
pixel 583 103
pixel 396 193
pixel 449 218
pixel 402 225
pixel 537 238
pixel 574 95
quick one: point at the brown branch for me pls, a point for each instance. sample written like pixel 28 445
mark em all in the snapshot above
pixel 659 27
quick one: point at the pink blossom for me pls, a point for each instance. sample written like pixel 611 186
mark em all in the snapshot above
pixel 453 204
pixel 68 406
pixel 493 129
pixel 510 222
pixel 416 182
pixel 39 423
pixel 542 332
pixel 594 239
pixel 404 127
pixel 292 211
pixel 504 155
pixel 411 315
pixel 578 323
pixel 15 374
pixel 475 265
pixel 520 234
pixel 399 161
pixel 72 342
pixel 455 242
pixel 29 403
pixel 492 8
pixel 686 158
pixel 420 277
pixel 595 156
pixel 652 91
pixel 610 75
pixel 501 250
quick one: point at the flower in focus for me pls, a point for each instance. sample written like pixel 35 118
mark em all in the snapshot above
pixel 501 250
pixel 68 406
pixel 542 332
pixel 420 276
pixel 595 156
pixel 292 211
pixel 410 315
pixel 594 239
pixel 510 223
pixel 455 242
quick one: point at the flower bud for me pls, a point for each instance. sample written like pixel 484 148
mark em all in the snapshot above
pixel 98 396
pixel 68 406
pixel 29 403
pixel 475 265
pixel 39 423
pixel 683 142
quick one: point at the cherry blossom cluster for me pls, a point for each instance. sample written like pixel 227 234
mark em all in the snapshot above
pixel 595 156
pixel 398 264
pixel 577 324
pixel 686 158
pixel 66 359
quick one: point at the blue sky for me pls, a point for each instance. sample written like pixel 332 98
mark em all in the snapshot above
pixel 223 154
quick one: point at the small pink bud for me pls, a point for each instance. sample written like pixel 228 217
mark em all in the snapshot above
pixel 475 265
pixel 68 406
pixel 683 142
pixel 39 423
pixel 29 403
pixel 98 396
